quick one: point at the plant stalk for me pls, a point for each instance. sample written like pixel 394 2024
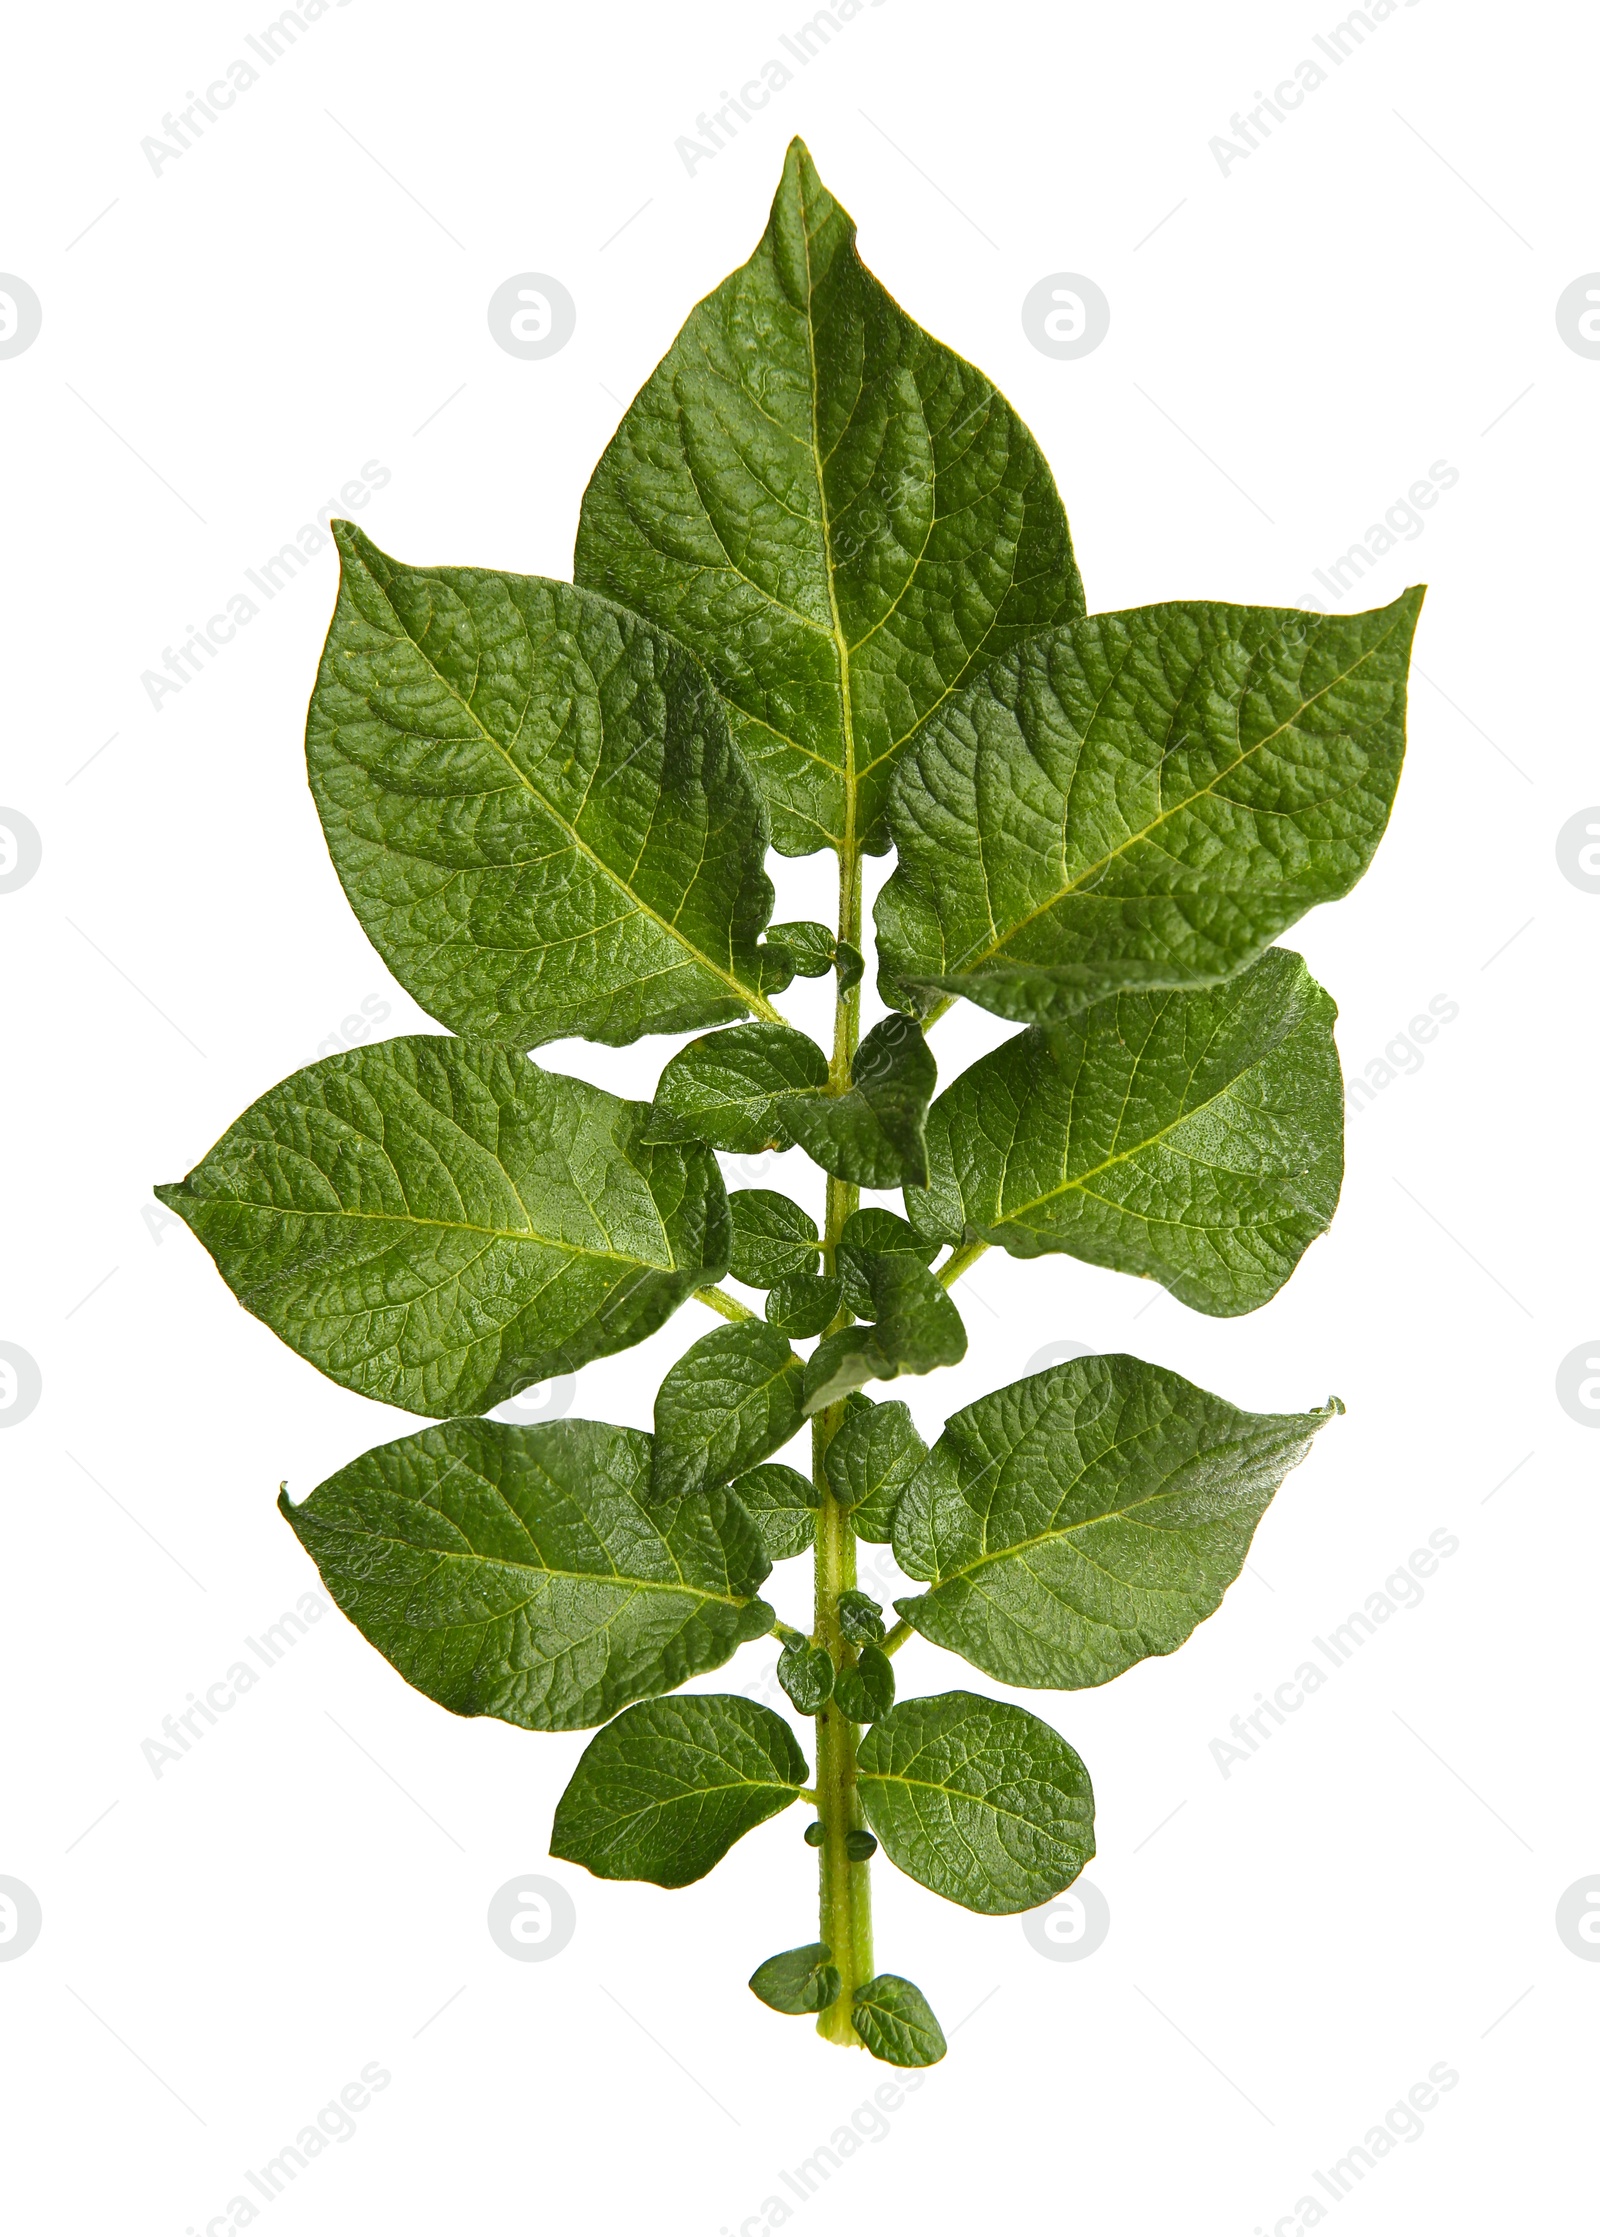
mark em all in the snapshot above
pixel 846 1888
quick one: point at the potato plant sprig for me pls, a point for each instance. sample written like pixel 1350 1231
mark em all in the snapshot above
pixel 824 596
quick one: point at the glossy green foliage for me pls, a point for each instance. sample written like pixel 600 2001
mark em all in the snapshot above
pixel 824 597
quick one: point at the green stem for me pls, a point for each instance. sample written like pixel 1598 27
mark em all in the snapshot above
pixel 896 1639
pixel 845 1887
pixel 954 1266
pixel 720 1302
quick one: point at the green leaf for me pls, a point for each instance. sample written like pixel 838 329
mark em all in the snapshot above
pixel 893 2019
pixel 806 1675
pixel 873 1231
pixel 916 1329
pixel 864 1689
pixel 1082 1519
pixel 534 805
pixel 836 514
pixel 759 1087
pixel 523 1573
pixel 439 1223
pixel 977 1800
pixel 663 1793
pixel 860 1617
pixel 772 1237
pixel 1141 800
pixel 803 1304
pixel 1195 1138
pixel 872 1134
pixel 734 1089
pixel 798 1980
pixel 851 965
pixel 871 1457
pixel 732 1398
pixel 782 1504
pixel 811 947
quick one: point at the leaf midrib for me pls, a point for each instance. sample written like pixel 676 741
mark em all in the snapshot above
pixel 748 996
pixel 973 958
pixel 454 1227
pixel 1022 1546
pixel 847 773
pixel 962 1794
pixel 442 1554
pixel 1064 1187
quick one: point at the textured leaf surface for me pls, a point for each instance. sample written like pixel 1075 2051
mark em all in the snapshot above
pixel 978 1800
pixel 439 1223
pixel 893 2018
pixel 1082 1519
pixel 875 1232
pixel 523 1573
pixel 759 1087
pixel 806 1675
pixel 915 1329
pixel 864 1689
pixel 810 946
pixel 772 1237
pixel 1195 1138
pixel 782 1504
pixel 1141 800
pixel 837 515
pixel 798 1980
pixel 730 1400
pixel 736 1090
pixel 663 1793
pixel 534 805
pixel 803 1304
pixel 872 1134
pixel 871 1457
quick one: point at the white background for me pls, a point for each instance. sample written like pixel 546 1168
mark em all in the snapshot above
pixel 1373 1891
